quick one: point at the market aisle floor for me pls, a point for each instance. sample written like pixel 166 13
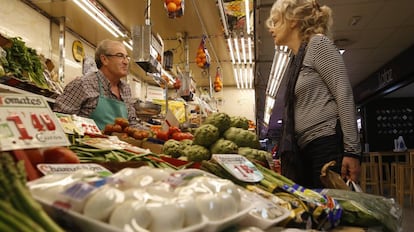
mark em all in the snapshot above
pixel 408 219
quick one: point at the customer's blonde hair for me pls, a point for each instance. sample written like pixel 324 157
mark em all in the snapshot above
pixel 310 17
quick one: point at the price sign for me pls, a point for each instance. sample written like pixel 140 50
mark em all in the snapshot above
pixel 86 125
pixel 26 121
pixel 68 125
pixel 239 166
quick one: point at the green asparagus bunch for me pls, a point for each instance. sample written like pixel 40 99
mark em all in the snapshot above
pixel 19 211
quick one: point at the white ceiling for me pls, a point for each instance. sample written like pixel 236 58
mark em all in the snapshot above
pixel 385 29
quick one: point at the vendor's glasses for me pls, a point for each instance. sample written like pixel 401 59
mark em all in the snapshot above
pixel 121 56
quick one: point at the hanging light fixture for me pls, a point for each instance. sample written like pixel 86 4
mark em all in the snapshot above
pixel 100 17
pixel 240 46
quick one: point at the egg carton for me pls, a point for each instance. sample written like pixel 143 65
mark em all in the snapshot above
pixel 247 212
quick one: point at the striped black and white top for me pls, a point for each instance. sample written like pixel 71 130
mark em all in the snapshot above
pixel 323 94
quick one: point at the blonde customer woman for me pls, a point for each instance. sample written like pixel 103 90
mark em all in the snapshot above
pixel 319 121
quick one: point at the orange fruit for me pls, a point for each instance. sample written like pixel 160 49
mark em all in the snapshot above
pixel 202 55
pixel 177 3
pixel 171 7
pixel 168 1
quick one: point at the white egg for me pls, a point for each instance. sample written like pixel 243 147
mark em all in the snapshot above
pixel 228 204
pixel 140 177
pixel 165 217
pixel 100 205
pixel 158 174
pixel 216 206
pixel 139 194
pixel 159 192
pixel 132 215
pixel 233 190
pixel 192 214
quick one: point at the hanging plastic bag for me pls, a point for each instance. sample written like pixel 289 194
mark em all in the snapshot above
pixel 218 84
pixel 202 57
pixel 175 8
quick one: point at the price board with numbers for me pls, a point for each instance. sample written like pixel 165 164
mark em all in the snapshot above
pixel 73 124
pixel 26 121
pixel 239 166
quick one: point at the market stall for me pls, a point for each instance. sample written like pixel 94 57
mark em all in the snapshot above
pixel 154 178
pixel 94 181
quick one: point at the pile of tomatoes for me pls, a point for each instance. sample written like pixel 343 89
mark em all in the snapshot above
pixel 121 125
pixel 173 133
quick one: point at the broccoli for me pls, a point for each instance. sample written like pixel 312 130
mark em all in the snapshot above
pixel 197 153
pixel 205 135
pixel 219 120
pixel 255 154
pixel 239 122
pixel 172 148
pixel 241 137
pixel 223 146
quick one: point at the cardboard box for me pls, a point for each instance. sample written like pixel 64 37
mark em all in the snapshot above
pixel 153 147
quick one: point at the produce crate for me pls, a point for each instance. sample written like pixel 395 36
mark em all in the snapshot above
pixel 153 147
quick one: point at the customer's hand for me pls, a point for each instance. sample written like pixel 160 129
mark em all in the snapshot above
pixel 350 169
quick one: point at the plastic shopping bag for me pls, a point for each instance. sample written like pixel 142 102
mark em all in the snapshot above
pixel 354 186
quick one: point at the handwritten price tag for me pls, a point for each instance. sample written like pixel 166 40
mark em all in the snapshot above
pixel 239 166
pixel 26 121
pixel 86 125
pixel 72 124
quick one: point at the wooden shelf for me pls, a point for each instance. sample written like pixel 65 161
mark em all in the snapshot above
pixel 10 89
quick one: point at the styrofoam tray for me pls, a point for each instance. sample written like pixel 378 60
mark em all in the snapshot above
pixel 249 202
pixel 79 222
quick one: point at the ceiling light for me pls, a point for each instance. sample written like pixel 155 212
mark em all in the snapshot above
pixel 247 9
pixel 280 62
pixel 128 44
pixel 100 17
pixel 223 17
pixel 240 47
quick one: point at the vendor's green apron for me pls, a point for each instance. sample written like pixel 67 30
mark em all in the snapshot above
pixel 107 110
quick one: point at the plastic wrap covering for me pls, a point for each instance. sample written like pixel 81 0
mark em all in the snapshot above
pixel 367 210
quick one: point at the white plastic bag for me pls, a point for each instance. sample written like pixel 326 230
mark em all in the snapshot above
pixel 354 186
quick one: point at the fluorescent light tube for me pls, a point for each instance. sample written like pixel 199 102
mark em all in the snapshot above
pixel 230 44
pixel 247 9
pixel 99 17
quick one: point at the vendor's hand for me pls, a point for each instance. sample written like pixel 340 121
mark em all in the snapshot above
pixel 350 169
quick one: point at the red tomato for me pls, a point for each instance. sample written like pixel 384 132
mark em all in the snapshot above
pixel 60 155
pixel 172 130
pixel 182 135
pixel 35 156
pixel 163 135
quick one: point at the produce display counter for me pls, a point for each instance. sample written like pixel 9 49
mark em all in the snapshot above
pixel 145 178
